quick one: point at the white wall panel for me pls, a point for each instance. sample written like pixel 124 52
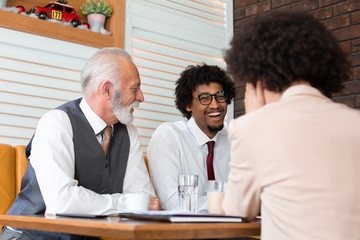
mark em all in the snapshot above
pixel 164 37
pixel 196 9
pixel 36 75
pixel 156 90
pixel 15 120
pixel 158 74
pixel 23 111
pixel 146 123
pixel 42 50
pixel 32 102
pixel 37 70
pixel 157 64
pixel 186 47
pixel 156 78
pixel 152 115
pixel 16 132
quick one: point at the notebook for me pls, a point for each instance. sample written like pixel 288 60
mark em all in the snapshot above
pixel 164 216
pixel 177 217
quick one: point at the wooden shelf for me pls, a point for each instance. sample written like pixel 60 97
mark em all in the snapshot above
pixel 114 24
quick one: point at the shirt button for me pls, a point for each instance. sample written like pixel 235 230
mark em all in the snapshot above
pixel 106 165
pixel 102 190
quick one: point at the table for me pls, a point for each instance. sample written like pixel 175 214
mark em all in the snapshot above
pixel 120 228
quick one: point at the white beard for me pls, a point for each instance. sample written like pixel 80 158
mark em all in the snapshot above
pixel 123 114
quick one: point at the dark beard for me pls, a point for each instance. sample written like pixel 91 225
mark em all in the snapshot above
pixel 215 129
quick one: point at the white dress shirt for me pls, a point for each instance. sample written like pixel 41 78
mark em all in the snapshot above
pixel 52 157
pixel 180 148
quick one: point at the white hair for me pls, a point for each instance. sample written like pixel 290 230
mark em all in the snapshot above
pixel 100 67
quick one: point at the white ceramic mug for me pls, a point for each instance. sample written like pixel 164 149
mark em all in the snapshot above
pixel 135 201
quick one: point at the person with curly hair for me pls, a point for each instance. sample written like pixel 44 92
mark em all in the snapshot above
pixel 203 93
pixel 295 153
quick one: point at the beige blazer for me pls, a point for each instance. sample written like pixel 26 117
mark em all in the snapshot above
pixel 299 159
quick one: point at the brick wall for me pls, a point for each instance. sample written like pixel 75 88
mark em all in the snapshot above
pixel 340 16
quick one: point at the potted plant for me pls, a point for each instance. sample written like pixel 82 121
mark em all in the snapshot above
pixel 96 13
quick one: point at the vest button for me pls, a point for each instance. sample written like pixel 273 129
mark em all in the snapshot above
pixel 106 165
pixel 102 190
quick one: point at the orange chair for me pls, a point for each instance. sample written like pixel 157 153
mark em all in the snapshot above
pixel 147 164
pixel 21 164
pixel 7 176
pixel 13 165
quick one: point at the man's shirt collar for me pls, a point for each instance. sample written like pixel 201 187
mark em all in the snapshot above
pixel 94 120
pixel 199 135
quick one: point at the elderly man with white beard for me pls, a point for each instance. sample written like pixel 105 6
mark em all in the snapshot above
pixel 68 170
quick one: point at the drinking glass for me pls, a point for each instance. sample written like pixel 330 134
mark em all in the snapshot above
pixel 215 196
pixel 188 192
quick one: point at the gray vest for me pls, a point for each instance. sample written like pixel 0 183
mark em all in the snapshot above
pixel 92 170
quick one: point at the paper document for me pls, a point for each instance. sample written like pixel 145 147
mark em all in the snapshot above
pixel 174 216
pixel 165 216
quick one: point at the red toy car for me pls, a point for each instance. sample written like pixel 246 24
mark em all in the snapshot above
pixel 58 10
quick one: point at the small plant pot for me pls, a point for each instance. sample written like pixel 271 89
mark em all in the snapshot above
pixel 96 22
pixel 3 3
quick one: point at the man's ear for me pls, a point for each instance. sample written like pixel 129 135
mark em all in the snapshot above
pixel 106 89
pixel 188 108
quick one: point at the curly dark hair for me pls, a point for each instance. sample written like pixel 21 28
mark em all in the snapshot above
pixel 194 76
pixel 282 47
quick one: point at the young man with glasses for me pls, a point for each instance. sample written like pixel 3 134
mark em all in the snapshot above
pixel 203 93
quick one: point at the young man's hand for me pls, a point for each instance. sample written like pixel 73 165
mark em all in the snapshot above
pixel 154 204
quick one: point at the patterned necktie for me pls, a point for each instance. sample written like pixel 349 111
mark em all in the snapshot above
pixel 106 142
pixel 209 161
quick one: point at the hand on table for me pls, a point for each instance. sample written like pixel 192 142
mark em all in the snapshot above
pixel 154 204
pixel 254 97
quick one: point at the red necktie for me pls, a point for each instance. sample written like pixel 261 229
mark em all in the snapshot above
pixel 209 161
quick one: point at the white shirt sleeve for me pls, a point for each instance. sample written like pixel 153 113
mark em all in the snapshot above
pixel 165 166
pixel 166 156
pixel 136 177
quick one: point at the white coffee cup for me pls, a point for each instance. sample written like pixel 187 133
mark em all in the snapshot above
pixel 135 201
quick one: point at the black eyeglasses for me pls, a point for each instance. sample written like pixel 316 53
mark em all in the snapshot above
pixel 206 98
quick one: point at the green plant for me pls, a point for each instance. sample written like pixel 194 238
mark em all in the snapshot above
pixel 91 7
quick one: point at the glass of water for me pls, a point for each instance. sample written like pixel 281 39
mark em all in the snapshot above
pixel 188 192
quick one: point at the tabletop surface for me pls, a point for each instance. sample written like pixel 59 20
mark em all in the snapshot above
pixel 120 228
